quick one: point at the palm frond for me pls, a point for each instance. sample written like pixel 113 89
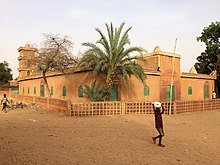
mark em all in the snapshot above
pixel 113 58
pixel 103 41
pixel 95 92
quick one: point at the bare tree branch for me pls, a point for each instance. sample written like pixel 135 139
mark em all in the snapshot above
pixel 55 54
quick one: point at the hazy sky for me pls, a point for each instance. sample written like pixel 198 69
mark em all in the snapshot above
pixel 155 22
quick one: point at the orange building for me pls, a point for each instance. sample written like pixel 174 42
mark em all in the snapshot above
pixel 164 79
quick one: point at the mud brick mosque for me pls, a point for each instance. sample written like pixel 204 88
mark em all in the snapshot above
pixel 162 70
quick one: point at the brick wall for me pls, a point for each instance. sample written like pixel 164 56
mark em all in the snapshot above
pixel 47 103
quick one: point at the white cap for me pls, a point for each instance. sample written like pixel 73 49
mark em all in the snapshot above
pixel 157 104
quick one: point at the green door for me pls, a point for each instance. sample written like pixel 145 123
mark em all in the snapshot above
pixel 114 93
pixel 168 93
pixel 42 90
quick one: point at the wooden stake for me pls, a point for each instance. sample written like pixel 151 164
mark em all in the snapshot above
pixel 172 76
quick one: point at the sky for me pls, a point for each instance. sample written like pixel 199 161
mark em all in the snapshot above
pixel 154 23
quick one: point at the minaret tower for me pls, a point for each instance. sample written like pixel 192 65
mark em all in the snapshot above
pixel 26 60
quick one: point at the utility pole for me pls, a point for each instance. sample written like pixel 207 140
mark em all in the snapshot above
pixel 172 76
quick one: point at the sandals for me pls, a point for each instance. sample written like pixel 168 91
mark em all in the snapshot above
pixel 154 140
pixel 161 145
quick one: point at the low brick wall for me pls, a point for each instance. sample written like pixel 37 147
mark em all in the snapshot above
pixel 114 108
pixel 117 108
pixel 48 103
pixel 193 106
pixel 96 108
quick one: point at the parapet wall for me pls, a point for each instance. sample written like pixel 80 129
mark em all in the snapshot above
pixel 48 103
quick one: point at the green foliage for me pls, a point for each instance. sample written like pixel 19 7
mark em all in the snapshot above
pixel 96 92
pixel 5 73
pixel 207 61
pixel 112 56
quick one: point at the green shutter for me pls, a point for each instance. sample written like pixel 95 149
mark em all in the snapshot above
pixel 28 90
pixel 146 90
pixel 51 91
pixel 80 91
pixel 14 92
pixel 168 93
pixel 64 91
pixel 190 91
pixel 114 93
pixel 42 90
pixel 34 90
pixel 206 92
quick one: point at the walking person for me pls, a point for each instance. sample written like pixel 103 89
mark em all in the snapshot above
pixel 213 95
pixel 4 103
pixel 157 106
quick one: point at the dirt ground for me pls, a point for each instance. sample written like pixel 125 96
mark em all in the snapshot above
pixel 37 136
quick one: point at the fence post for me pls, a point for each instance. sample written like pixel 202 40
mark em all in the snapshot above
pixel 203 105
pixel 68 110
pixel 9 92
pixel 48 103
pixel 23 98
pixel 122 108
pixel 174 107
pixel 33 99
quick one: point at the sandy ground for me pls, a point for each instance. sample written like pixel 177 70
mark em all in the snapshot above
pixel 37 136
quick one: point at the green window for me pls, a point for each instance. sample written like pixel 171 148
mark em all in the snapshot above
pixel 206 91
pixel 64 91
pixel 146 90
pixel 51 91
pixel 42 90
pixel 80 91
pixel 28 90
pixel 34 90
pixel 168 93
pixel 23 90
pixel 190 91
pixel 14 92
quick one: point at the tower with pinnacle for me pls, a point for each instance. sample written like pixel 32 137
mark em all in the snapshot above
pixel 26 61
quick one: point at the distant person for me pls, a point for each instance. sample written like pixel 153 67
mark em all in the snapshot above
pixel 157 106
pixel 213 95
pixel 4 103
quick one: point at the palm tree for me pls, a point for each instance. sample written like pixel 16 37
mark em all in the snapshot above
pixel 114 57
pixel 95 92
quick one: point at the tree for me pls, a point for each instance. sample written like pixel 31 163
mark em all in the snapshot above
pixel 96 92
pixel 209 60
pixel 113 57
pixel 54 55
pixel 5 73
pixel 210 36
